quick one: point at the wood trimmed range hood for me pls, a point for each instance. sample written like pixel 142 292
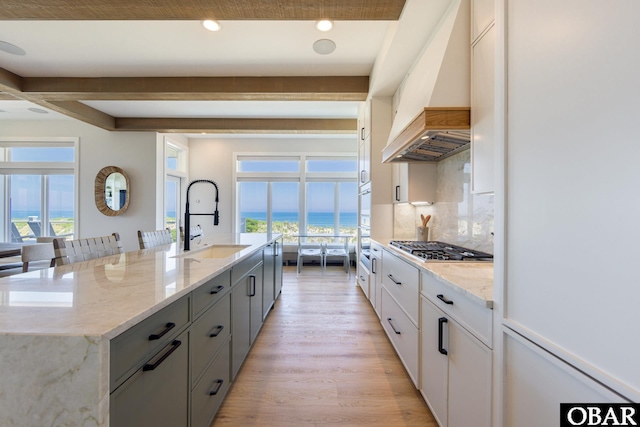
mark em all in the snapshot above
pixel 434 134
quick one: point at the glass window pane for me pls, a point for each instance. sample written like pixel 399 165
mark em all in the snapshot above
pixel 42 154
pixel 268 165
pixel 172 157
pixel 25 205
pixel 337 165
pixel 172 207
pixel 348 209
pixel 252 204
pixel 285 203
pixel 61 208
pixel 320 207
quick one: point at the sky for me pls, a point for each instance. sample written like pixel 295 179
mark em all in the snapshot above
pixel 320 195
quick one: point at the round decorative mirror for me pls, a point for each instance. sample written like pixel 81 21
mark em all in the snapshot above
pixel 112 191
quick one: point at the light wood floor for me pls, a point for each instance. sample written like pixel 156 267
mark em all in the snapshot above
pixel 322 359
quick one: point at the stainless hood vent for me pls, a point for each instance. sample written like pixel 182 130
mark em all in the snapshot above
pixel 435 145
pixel 434 135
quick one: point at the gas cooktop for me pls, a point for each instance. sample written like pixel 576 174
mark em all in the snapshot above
pixel 439 251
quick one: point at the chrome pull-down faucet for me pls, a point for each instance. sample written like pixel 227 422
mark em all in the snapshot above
pixel 187 214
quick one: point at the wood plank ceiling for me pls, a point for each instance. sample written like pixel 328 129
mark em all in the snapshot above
pixel 64 94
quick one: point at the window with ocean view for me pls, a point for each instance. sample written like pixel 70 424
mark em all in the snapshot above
pixel 304 194
pixel 37 180
pixel 175 178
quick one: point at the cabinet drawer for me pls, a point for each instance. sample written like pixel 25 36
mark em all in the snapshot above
pixel 158 396
pixel 376 250
pixel 130 349
pixel 401 280
pixel 245 266
pixel 471 315
pixel 209 333
pixel 402 333
pixel 205 404
pixel 363 280
pixel 211 292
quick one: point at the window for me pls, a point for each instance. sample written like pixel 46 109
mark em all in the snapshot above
pixel 38 185
pixel 302 194
pixel 176 171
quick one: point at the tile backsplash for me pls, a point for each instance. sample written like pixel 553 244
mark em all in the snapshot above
pixel 458 217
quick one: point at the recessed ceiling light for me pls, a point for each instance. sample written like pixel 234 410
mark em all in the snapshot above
pixel 324 46
pixel 324 24
pixel 211 25
pixel 12 49
pixel 38 110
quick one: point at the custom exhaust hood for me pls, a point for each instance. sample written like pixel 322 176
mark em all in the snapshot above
pixel 434 134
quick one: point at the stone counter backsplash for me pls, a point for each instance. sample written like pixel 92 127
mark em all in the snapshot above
pixel 458 216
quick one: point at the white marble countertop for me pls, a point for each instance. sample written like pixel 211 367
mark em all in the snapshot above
pixel 473 279
pixel 104 297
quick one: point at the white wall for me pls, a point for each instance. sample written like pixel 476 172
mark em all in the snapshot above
pixel 135 152
pixel 213 159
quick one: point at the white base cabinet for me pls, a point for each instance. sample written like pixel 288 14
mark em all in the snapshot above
pixel 456 371
pixel 375 278
pixel 363 279
pixel 537 382
pixel 402 333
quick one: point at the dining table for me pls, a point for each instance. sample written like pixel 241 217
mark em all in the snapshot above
pixel 10 249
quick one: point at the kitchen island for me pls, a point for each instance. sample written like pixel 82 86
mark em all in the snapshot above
pixel 57 324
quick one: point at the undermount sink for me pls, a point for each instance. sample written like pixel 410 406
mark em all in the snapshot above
pixel 216 251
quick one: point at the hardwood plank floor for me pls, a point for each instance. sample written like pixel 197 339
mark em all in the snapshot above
pixel 322 359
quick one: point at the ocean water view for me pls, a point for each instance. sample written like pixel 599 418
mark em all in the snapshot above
pixel 24 214
pixel 318 219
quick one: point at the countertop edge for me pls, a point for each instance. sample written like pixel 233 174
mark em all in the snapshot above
pixel 431 269
pixel 113 333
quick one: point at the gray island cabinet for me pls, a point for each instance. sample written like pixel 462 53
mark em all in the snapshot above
pixel 142 338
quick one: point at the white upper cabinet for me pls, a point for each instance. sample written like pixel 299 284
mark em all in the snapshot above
pixel 414 182
pixel 482 113
pixel 482 15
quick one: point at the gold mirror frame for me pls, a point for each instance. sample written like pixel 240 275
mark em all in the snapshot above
pixel 99 192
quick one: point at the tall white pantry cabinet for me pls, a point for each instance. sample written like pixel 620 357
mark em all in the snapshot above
pixel 568 199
